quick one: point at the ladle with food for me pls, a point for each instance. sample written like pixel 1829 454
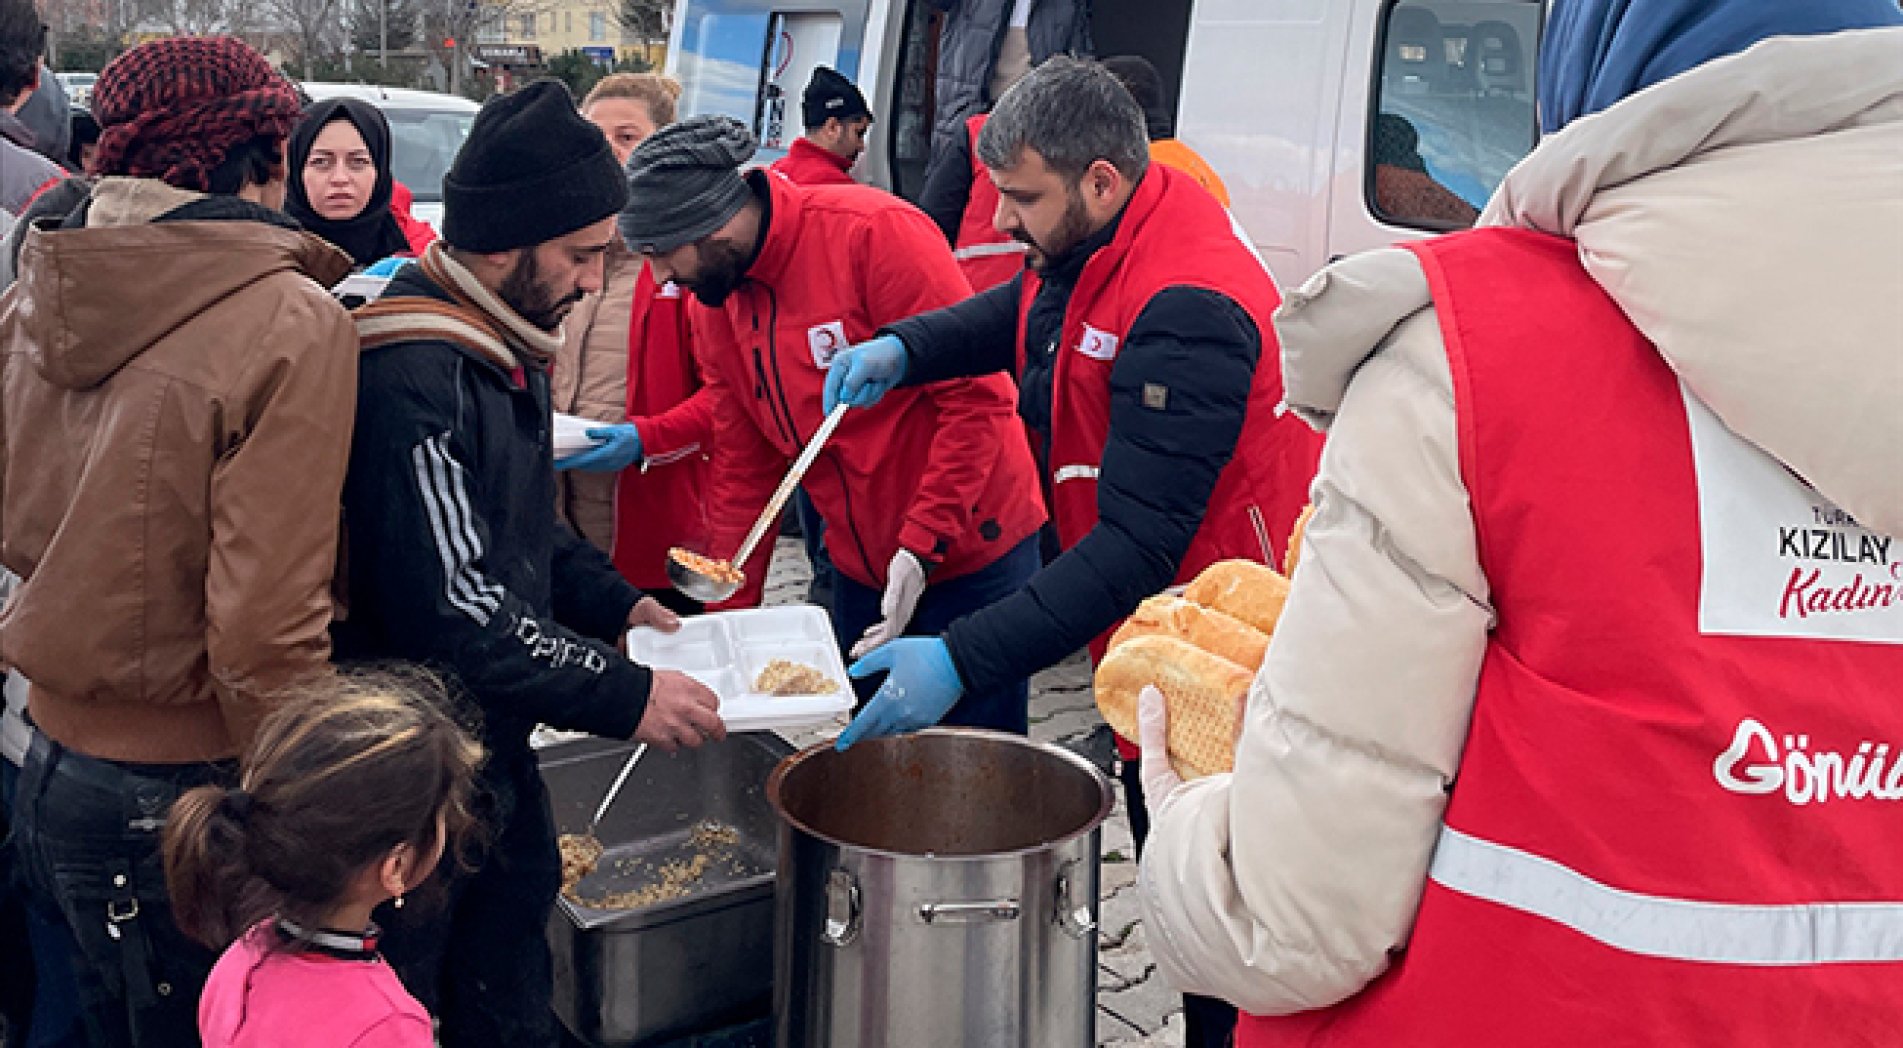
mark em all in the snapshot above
pixel 710 580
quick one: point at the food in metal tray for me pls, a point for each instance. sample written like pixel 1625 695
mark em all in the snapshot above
pixel 786 677
pixel 581 853
pixel 718 570
pixel 713 843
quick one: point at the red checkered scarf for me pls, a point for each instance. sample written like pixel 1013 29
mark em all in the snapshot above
pixel 172 109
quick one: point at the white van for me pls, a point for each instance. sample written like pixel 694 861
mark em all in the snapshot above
pixel 1338 125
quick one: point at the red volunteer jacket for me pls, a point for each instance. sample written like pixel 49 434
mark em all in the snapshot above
pixel 942 470
pixel 988 257
pixel 662 503
pixel 1186 240
pixel 1676 811
pixel 418 232
pixel 809 165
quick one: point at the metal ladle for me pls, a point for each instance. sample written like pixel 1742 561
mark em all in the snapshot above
pixel 709 590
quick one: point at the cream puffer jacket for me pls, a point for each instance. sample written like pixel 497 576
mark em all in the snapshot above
pixel 1748 217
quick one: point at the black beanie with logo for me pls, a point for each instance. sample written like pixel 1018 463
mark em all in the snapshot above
pixel 830 95
pixel 531 170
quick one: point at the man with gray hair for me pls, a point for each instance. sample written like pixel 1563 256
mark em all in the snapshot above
pixel 1146 365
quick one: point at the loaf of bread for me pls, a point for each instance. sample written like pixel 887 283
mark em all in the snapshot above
pixel 1206 628
pixel 1244 589
pixel 1203 693
pixel 1294 554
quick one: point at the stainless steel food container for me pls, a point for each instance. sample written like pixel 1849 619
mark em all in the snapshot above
pixel 625 977
pixel 937 889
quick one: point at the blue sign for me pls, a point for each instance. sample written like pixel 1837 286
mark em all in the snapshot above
pixel 602 55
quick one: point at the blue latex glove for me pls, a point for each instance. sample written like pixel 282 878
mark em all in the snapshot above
pixel 620 448
pixel 921 686
pixel 860 375
pixel 387 267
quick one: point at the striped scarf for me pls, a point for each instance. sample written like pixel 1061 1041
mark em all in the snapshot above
pixel 477 320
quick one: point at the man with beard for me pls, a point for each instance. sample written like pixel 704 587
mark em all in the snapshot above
pixel 930 501
pixel 1148 369
pixel 455 560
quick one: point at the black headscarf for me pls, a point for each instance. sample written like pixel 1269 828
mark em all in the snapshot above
pixel 373 234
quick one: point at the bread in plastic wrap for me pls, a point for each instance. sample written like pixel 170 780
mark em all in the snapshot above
pixel 1203 691
pixel 1244 589
pixel 1206 628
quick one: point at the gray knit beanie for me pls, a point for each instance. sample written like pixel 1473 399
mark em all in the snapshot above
pixel 684 182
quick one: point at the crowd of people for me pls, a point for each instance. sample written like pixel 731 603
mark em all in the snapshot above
pixel 298 573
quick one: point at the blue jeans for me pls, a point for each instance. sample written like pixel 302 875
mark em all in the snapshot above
pixel 856 609
pixel 52 1019
pixel 813 534
pixel 88 838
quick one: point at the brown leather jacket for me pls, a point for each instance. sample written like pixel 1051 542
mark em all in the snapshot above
pixel 176 401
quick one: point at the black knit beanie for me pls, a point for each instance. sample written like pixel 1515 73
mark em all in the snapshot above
pixel 830 95
pixel 684 182
pixel 531 170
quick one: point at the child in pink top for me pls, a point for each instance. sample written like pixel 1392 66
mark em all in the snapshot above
pixel 347 798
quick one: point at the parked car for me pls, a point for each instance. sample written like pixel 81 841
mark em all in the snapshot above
pixel 426 130
pixel 79 86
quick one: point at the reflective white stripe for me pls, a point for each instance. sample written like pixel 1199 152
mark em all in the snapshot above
pixel 1659 926
pixel 1065 473
pixel 987 250
pixel 671 457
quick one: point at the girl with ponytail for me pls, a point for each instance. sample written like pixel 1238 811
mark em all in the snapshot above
pixel 347 798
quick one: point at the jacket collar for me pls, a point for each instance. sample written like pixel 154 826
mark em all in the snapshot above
pixel 344 946
pixel 1108 245
pixel 784 218
pixel 19 134
pixel 806 148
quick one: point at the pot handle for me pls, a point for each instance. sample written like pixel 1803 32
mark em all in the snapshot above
pixel 1073 917
pixel 842 909
pixel 969 912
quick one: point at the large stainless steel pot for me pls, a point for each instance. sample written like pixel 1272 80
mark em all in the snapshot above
pixel 937 889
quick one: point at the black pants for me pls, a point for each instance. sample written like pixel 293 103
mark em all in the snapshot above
pixel 88 838
pixel 474 949
pixel 1207 1022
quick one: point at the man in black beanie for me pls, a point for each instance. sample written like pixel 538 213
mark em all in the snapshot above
pixel 837 119
pixel 456 561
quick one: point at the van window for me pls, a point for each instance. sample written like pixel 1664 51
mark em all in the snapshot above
pixel 423 142
pixel 1453 108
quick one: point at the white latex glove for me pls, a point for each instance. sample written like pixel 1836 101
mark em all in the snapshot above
pixel 1153 736
pixel 904 584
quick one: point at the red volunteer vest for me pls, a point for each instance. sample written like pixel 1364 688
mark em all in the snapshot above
pixel 988 257
pixel 1173 234
pixel 1675 817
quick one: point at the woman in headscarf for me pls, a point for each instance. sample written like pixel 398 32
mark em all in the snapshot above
pixel 341 182
pixel 1557 743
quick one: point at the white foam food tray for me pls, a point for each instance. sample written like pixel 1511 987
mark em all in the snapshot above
pixel 727 650
pixel 570 434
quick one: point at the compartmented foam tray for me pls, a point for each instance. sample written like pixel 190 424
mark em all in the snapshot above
pixel 727 650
